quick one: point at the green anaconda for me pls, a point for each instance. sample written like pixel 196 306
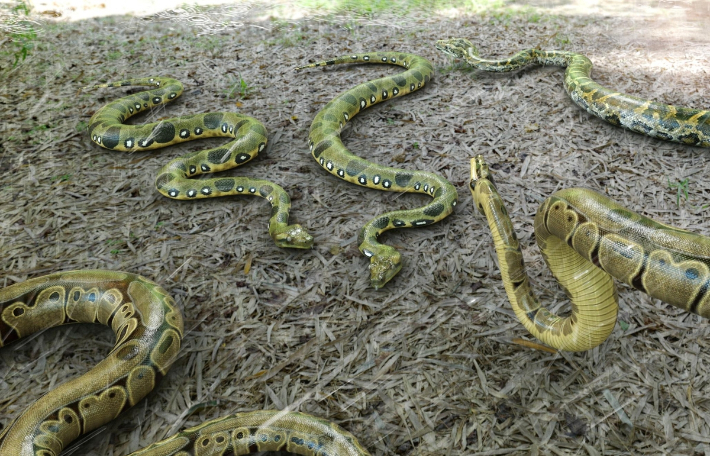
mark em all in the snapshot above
pixel 672 123
pixel 328 150
pixel 177 179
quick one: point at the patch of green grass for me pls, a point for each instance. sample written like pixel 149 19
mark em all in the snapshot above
pixel 290 34
pixel 498 12
pixel 561 40
pixel 681 189
pixel 117 244
pixel 38 133
pixel 211 43
pixel 22 33
pixel 371 8
pixel 238 88
pixel 62 178
pixel 38 128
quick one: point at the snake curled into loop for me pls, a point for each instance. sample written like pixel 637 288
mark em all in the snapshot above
pixel 586 239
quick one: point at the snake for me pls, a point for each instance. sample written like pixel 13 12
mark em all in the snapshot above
pixel 327 148
pixel 176 179
pixel 587 239
pixel 148 327
pixel 658 120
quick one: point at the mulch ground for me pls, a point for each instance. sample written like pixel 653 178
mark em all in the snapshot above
pixel 430 364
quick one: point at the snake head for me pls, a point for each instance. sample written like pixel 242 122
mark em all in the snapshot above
pixel 479 170
pixel 481 184
pixel 459 48
pixel 293 236
pixel 384 265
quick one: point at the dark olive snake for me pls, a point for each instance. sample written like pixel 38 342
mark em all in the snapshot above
pixel 658 120
pixel 148 328
pixel 176 179
pixel 328 150
pixel 586 239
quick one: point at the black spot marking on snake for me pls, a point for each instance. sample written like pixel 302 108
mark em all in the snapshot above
pixel 321 147
pixel 212 120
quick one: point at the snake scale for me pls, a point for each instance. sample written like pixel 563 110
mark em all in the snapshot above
pixel 658 120
pixel 176 179
pixel 328 150
pixel 148 328
pixel 586 238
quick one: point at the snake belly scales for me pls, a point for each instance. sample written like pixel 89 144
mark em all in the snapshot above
pixel 658 120
pixel 148 328
pixel 586 238
pixel 328 150
pixel 176 179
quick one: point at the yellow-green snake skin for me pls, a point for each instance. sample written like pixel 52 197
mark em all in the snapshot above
pixel 658 120
pixel 176 179
pixel 586 238
pixel 148 328
pixel 328 150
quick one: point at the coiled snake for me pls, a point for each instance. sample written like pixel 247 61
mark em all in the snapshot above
pixel 586 238
pixel 672 123
pixel 148 328
pixel 328 150
pixel 175 180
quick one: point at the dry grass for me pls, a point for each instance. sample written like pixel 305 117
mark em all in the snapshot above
pixel 429 364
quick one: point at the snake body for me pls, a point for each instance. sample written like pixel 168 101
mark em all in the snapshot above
pixel 328 150
pixel 148 328
pixel 668 122
pixel 254 432
pixel 176 179
pixel 586 238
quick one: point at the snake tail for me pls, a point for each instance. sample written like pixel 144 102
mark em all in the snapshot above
pixel 176 180
pixel 671 123
pixel 586 239
pixel 327 148
pixel 148 328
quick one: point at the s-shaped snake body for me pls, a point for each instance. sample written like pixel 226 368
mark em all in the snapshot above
pixel 330 152
pixel 176 180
